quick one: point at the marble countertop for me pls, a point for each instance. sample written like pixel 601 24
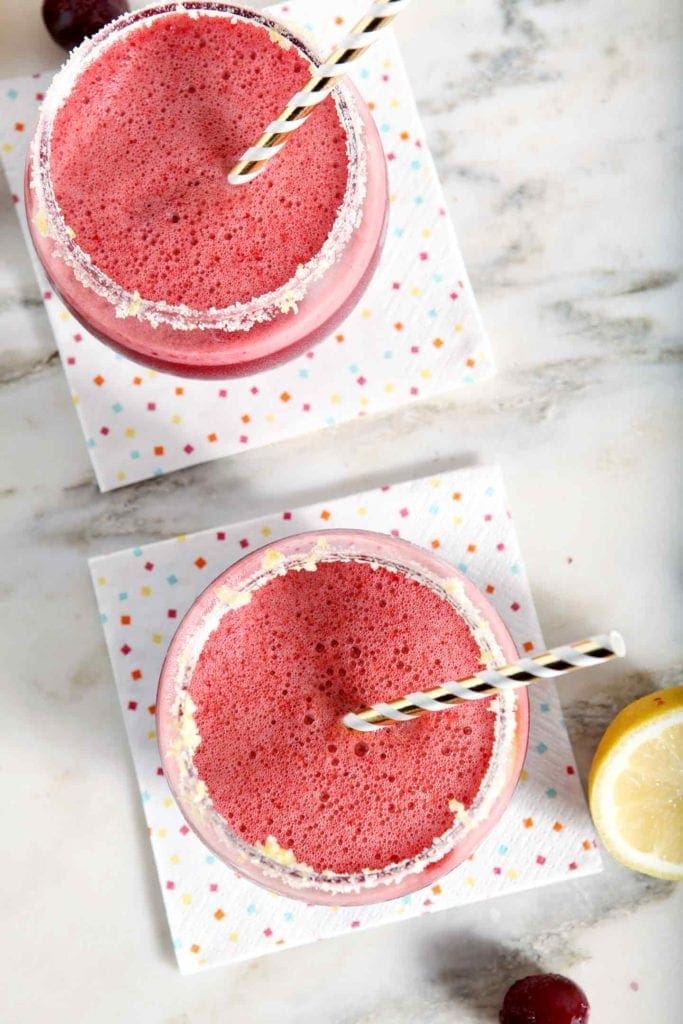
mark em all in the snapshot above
pixel 557 130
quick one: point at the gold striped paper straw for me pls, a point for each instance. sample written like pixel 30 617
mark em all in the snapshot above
pixel 557 662
pixel 322 82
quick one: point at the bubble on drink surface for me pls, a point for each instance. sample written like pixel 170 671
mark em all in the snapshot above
pixel 272 683
pixel 167 109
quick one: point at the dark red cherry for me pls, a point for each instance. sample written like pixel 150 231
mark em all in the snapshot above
pixel 544 999
pixel 69 22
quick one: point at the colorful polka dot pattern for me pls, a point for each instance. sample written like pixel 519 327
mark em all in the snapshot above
pixel 415 334
pixel 215 917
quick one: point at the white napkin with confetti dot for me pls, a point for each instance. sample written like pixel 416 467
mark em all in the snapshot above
pixel 415 334
pixel 545 835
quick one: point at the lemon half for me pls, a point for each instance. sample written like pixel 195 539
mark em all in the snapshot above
pixel 635 786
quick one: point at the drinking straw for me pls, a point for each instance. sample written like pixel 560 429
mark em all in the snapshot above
pixel 322 82
pixel 557 662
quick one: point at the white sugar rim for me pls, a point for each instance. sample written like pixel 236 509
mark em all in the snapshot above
pixel 193 790
pixel 241 316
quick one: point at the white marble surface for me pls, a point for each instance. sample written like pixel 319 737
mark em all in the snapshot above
pixel 556 128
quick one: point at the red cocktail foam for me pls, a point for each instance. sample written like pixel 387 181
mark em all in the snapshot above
pixel 134 219
pixel 160 117
pixel 272 683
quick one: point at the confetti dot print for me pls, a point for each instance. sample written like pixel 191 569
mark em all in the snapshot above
pixel 216 917
pixel 415 334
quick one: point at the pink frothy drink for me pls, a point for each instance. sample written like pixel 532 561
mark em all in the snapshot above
pixel 132 215
pixel 253 691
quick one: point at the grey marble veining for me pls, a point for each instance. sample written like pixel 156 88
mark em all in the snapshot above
pixel 556 126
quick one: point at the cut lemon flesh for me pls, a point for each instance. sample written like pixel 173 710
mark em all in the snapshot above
pixel 635 786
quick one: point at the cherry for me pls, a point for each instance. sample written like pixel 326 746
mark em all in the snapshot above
pixel 544 999
pixel 69 22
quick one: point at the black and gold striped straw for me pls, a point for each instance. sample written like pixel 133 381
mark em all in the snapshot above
pixel 557 662
pixel 321 84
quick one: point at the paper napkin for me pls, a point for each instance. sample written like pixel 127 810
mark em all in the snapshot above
pixel 215 917
pixel 415 334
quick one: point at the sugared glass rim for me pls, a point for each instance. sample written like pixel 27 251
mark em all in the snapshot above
pixel 256 570
pixel 240 316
